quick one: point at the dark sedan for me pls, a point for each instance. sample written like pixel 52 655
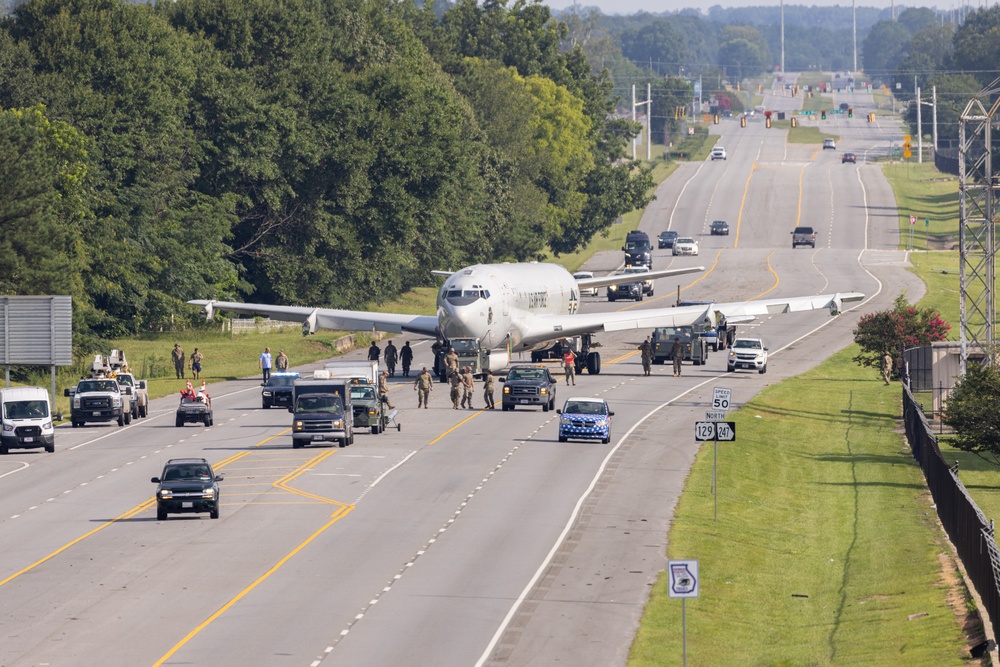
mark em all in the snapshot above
pixel 719 228
pixel 848 157
pixel 666 239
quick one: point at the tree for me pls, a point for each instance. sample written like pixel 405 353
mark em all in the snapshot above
pixel 656 45
pixel 903 326
pixel 977 43
pixel 973 410
pixel 884 47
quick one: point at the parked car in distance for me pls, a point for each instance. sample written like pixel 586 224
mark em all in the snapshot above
pixel 187 486
pixel 718 153
pixel 585 419
pixel 848 157
pixel 666 239
pixel 685 245
pixel 829 143
pixel 586 291
pixel 804 236
pixel 719 228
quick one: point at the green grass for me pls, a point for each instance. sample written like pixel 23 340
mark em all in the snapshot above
pixel 925 192
pixel 818 497
pixel 804 134
pixel 817 103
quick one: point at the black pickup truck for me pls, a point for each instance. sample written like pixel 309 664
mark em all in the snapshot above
pixel 529 385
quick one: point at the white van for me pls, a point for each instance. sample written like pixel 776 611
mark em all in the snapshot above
pixel 27 419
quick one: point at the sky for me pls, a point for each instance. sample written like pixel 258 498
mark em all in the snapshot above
pixel 633 6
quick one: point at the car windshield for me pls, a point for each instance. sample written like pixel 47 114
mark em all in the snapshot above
pixel 125 380
pixel 97 385
pixel 527 374
pixel 719 223
pixel 26 410
pixel 668 235
pixel 748 344
pixel 583 274
pixel 191 472
pixel 464 347
pixel 689 240
pixel 586 408
pixel 637 269
pixel 319 403
pixel 363 393
pixel 280 381
pixel 637 245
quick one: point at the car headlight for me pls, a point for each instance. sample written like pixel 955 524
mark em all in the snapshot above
pixel 732 355
pixel 208 493
pixel 265 393
pixel 564 419
pixel 297 426
pixel 46 426
pixel 116 401
pixel 601 423
pixel 338 423
pixel 76 402
pixel 612 288
pixel 506 390
pixel 372 411
pixel 8 427
pixel 544 390
pixel 165 494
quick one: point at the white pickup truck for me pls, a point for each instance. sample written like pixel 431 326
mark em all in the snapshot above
pixel 98 400
pixel 747 353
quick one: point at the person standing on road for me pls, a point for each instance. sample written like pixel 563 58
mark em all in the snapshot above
pixel 569 366
pixel 391 354
pixel 178 358
pixel 281 361
pixel 488 389
pixel 423 385
pixel 647 357
pixel 374 352
pixel 451 362
pixel 455 380
pixel 406 358
pixel 468 386
pixel 383 389
pixel 196 359
pixel 265 364
pixel 887 367
pixel 677 354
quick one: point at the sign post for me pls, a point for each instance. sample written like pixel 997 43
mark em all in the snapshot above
pixel 715 431
pixel 684 582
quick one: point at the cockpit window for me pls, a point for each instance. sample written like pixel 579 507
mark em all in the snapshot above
pixel 463 297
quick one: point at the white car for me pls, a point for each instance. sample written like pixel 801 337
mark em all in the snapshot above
pixel 586 291
pixel 685 245
pixel 718 153
pixel 829 143
pixel 747 353
pixel 647 285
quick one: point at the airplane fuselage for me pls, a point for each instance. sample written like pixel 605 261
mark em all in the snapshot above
pixel 496 303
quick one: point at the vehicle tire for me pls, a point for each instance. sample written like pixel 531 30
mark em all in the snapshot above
pixel 562 438
pixel 715 348
pixel 399 427
pixel 265 405
pixel 763 369
pixel 135 413
pixel 178 422
pixel 594 363
pixel 607 439
pixel 296 444
pixel 50 448
pixel 611 298
pixel 730 369
pixel 374 429
pixel 342 443
pixel 3 450
pixel 76 424
pixel 651 292
pixel 214 514
pixel 143 411
pixel 535 357
pixel 640 296
pixel 161 514
pixel 121 419
pixel 552 403
pixel 545 406
pixel 207 421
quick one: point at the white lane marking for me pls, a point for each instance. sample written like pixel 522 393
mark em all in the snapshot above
pixel 24 466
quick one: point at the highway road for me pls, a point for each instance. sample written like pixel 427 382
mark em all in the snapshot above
pixel 467 537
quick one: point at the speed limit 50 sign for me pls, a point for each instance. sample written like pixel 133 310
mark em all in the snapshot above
pixel 721 397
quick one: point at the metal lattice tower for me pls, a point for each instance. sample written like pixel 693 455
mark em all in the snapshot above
pixel 977 202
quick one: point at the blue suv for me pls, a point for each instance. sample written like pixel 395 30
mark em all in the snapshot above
pixel 585 419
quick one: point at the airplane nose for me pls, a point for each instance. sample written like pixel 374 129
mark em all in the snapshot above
pixel 459 321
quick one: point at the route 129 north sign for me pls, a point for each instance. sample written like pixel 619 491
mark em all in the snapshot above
pixel 725 431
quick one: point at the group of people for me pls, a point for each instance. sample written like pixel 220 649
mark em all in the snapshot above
pixel 391 355
pixel 194 363
pixel 279 363
pixel 677 351
pixel 463 383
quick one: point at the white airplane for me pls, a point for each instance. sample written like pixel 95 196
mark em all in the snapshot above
pixel 516 307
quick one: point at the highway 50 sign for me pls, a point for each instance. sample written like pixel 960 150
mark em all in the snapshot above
pixel 725 431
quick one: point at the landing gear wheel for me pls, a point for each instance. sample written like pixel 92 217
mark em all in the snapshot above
pixel 594 363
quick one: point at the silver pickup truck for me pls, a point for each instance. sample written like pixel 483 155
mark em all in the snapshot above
pixel 804 236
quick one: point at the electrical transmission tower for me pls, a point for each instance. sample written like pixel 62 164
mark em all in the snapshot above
pixel 978 191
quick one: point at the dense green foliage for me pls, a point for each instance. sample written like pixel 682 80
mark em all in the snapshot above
pixel 973 410
pixel 327 152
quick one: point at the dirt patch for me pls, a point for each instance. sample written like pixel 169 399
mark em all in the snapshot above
pixel 942 242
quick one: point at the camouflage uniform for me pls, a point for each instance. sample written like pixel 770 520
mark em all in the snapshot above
pixel 178 356
pixel 677 353
pixel 468 386
pixel 383 390
pixel 423 385
pixel 455 380
pixel 450 363
pixel 488 390
pixel 647 357
pixel 390 355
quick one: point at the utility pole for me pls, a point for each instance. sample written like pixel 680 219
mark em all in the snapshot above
pixel 934 116
pixel 920 132
pixel 649 112
pixel 854 29
pixel 782 37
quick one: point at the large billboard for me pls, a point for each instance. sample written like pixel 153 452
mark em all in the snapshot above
pixel 36 330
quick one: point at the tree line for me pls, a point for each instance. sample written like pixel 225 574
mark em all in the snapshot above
pixel 325 152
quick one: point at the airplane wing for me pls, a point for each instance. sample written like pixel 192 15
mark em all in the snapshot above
pixel 328 318
pixel 547 327
pixel 619 278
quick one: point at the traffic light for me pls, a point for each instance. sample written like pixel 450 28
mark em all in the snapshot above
pixel 677 113
pixel 743 121
pixel 850 112
pixel 715 119
pixel 871 118
pixel 795 123
pixel 767 122
pixel 822 114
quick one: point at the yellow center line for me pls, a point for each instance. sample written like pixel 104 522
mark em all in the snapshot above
pixel 739 216
pixel 453 428
pixel 691 284
pixel 773 273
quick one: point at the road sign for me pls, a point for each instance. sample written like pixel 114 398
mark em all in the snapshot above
pixel 704 431
pixel 684 580
pixel 720 398
pixel 715 415
pixel 913 219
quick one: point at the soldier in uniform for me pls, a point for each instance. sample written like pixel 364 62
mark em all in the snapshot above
pixel 887 367
pixel 647 357
pixel 383 389
pixel 281 361
pixel 455 380
pixel 178 357
pixel 488 389
pixel 406 358
pixel 451 362
pixel 677 354
pixel 468 386
pixel 390 354
pixel 374 352
pixel 423 385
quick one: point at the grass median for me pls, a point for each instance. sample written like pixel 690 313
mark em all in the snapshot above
pixel 826 550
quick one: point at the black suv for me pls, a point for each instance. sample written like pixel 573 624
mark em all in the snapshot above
pixel 666 239
pixel 187 486
pixel 278 390
pixel 529 385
